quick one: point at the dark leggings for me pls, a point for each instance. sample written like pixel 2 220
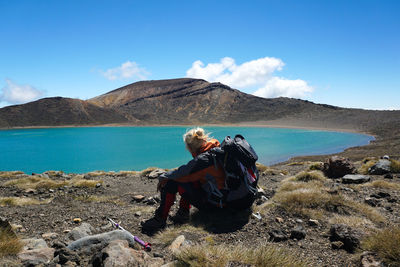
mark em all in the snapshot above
pixel 191 193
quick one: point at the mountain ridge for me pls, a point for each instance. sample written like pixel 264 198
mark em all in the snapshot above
pixel 187 101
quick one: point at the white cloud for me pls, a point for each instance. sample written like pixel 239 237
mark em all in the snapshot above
pixel 277 86
pixel 256 73
pixel 127 70
pixel 16 94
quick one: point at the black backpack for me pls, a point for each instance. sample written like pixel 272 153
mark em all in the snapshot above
pixel 238 160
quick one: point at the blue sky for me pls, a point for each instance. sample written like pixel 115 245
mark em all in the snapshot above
pixel 344 53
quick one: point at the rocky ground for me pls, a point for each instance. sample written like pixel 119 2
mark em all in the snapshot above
pixel 54 214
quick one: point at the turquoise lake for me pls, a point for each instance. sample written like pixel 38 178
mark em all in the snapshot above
pixel 78 150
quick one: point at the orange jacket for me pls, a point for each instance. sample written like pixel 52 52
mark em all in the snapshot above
pixel 201 168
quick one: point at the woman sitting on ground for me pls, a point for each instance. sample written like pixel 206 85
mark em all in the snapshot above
pixel 195 182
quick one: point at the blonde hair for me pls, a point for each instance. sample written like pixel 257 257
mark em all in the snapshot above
pixel 195 138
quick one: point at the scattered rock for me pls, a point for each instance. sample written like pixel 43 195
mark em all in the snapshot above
pixel 83 230
pixel 369 259
pixel 36 256
pixel 277 235
pixel 98 185
pixel 337 245
pixel 355 179
pixel 66 255
pixel 312 222
pixel 34 243
pixel 138 198
pixel 150 201
pixel 177 244
pixel 388 176
pixel 373 202
pixel 77 220
pixel 279 219
pixel 154 174
pixel 49 236
pixel 336 167
pixel 345 234
pixel 298 233
pixel 381 167
pixel 30 191
pixel 386 157
pixel 138 214
pixel 392 200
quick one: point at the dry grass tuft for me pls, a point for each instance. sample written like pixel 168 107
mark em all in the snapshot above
pixel 96 173
pixel 127 173
pixel 317 166
pixel 395 166
pixel 352 221
pixel 9 243
pixel 10 174
pixel 297 163
pixel 314 200
pixel 290 185
pixel 306 176
pixel 147 171
pixel 84 183
pixel 36 182
pixel 368 163
pixel 265 170
pixel 167 236
pixel 221 255
pixel 386 244
pixel 382 184
pixel 20 201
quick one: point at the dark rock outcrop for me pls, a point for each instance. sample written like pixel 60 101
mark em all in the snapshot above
pixel 336 167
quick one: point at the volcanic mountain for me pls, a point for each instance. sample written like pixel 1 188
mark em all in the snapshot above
pixel 194 102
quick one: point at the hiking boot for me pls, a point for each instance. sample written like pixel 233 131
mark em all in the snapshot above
pixel 181 216
pixel 153 224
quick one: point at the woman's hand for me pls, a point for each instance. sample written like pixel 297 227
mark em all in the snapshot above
pixel 161 184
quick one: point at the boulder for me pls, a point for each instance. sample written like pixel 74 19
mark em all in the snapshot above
pixel 381 167
pixel 355 179
pixel 369 259
pixel 298 233
pixel 154 174
pixel 36 256
pixel 83 230
pixel 277 235
pixel 33 243
pixel 345 234
pixel 118 253
pixel 104 239
pixel 336 167
pixel 66 255
pixel 177 244
pixel 373 202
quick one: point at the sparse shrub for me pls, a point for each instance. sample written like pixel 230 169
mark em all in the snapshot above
pixel 221 255
pixel 368 163
pixel 147 171
pixel 19 201
pixel 386 244
pixel 167 236
pixel 317 166
pixel 306 176
pixel 290 185
pixel 96 173
pixel 85 183
pixel 297 163
pixel 395 166
pixel 10 244
pixel 382 184
pixel 127 173
pixel 35 182
pixel 265 170
pixel 309 200
pixel 10 174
